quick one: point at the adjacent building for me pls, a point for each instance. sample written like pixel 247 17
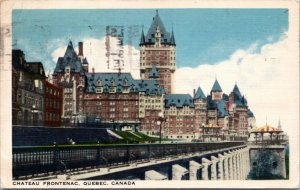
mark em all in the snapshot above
pixel 28 81
pixel 53 105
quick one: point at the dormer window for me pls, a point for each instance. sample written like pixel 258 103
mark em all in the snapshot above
pixel 125 82
pixel 112 83
pixel 99 83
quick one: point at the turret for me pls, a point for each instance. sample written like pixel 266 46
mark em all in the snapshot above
pixel 216 91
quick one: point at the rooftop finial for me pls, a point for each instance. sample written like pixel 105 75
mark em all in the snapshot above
pixel 279 124
pixel 266 120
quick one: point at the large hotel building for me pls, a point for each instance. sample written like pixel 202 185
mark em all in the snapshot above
pixel 119 101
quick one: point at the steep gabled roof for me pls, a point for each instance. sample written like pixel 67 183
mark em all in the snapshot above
pixel 121 81
pixel 19 63
pixel 18 59
pixel 150 87
pixel 250 113
pixel 239 100
pixel 36 68
pixel 142 40
pixel 222 111
pixel 236 90
pixel 71 59
pixel 199 94
pixel 172 41
pixel 179 100
pixel 216 87
pixel 153 72
pixel 165 36
pixel 220 106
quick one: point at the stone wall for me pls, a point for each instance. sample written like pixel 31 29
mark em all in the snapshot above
pixel 267 163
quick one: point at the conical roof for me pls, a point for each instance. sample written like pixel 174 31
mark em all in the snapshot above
pixel 157 23
pixel 70 52
pixel 71 59
pixel 172 39
pixel 236 90
pixel 199 94
pixel 216 87
pixel 142 40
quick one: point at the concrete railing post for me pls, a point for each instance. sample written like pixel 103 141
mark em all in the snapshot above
pixel 226 167
pixel 239 165
pixel 214 161
pixel 235 164
pixel 205 163
pixel 178 171
pixel 154 175
pixel 221 167
pixel 247 160
pixel 194 167
pixel 242 164
pixel 231 166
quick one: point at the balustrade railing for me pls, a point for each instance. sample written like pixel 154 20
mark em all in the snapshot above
pixel 35 160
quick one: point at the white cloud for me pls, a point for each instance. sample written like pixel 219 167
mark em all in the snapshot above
pixel 95 50
pixel 269 80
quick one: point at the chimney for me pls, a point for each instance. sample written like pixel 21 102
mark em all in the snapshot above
pixel 80 49
pixel 93 70
pixel 194 92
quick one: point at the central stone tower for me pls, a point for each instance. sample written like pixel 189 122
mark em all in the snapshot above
pixel 158 55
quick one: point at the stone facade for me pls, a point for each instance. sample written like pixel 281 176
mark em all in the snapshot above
pixel 158 48
pixel 69 74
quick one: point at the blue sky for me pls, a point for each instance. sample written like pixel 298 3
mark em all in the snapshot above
pixel 203 36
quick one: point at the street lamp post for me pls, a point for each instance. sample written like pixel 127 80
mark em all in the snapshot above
pixel 160 121
pixel 34 111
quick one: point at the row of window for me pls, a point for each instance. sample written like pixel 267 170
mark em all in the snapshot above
pixel 52 104
pixel 68 90
pixel 52 91
pixel 52 117
pixel 158 52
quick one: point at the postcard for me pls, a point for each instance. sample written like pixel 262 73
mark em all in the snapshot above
pixel 152 94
